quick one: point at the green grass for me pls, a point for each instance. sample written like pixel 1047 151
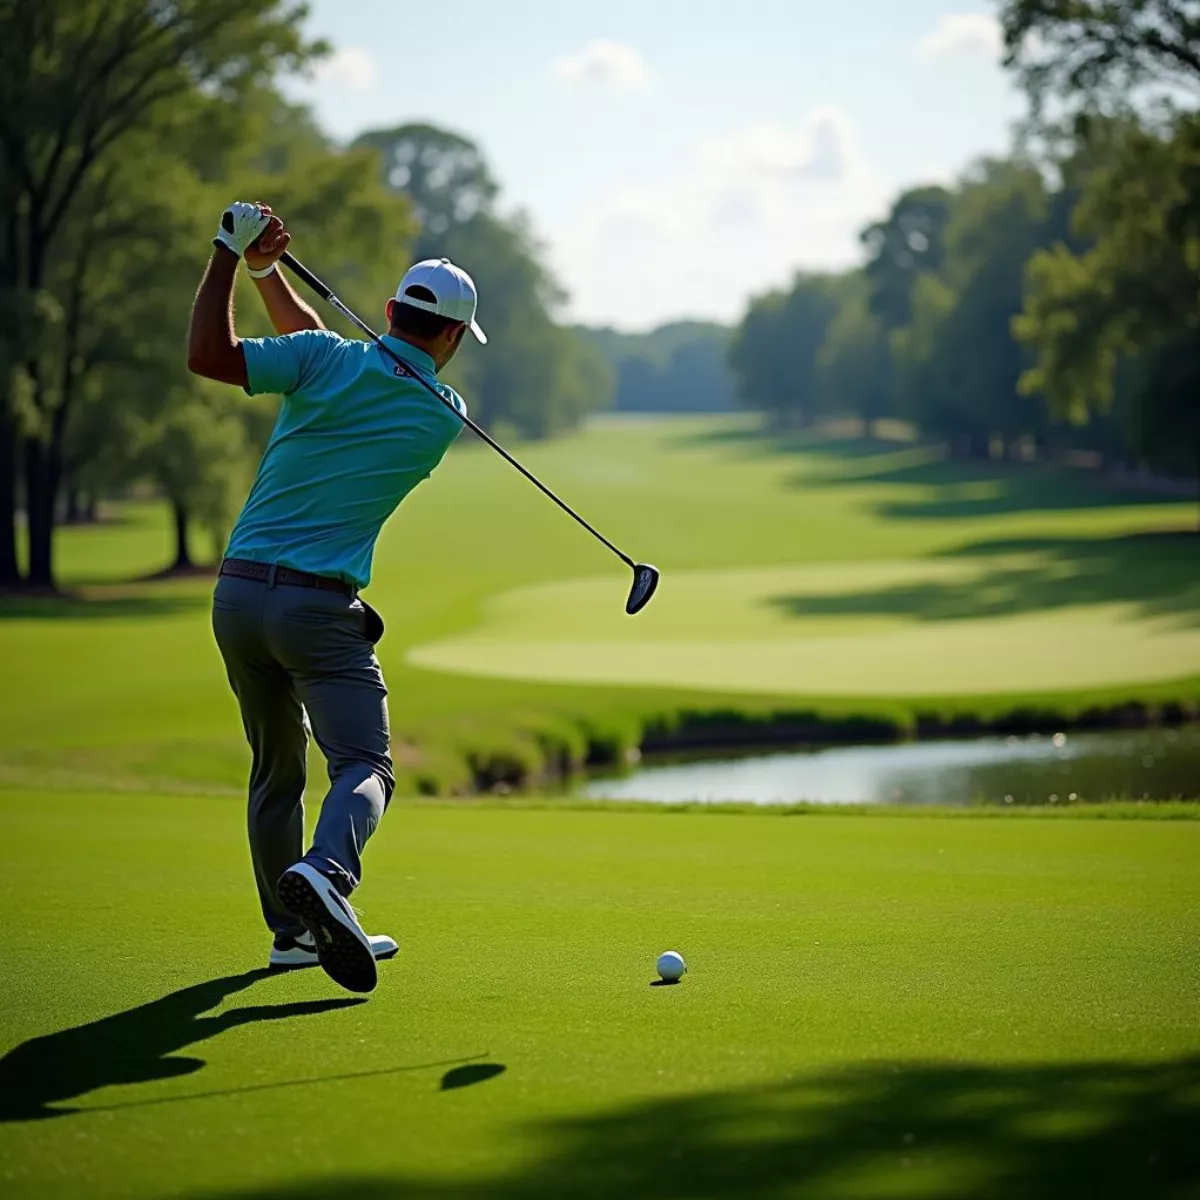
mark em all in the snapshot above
pixel 838 576
pixel 752 630
pixel 876 1007
pixel 880 1005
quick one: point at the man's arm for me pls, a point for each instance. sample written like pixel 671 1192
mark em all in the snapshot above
pixel 214 350
pixel 288 313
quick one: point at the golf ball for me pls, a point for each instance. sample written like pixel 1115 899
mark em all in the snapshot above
pixel 671 965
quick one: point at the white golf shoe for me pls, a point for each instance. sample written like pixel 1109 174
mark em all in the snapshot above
pixel 344 951
pixel 302 951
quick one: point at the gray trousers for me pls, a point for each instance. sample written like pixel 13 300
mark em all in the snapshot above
pixel 290 651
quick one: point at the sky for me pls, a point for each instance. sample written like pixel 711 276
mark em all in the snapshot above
pixel 677 157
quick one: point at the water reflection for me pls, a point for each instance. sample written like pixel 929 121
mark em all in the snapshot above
pixel 1060 769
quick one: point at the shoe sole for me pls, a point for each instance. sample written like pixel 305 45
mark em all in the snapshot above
pixel 311 961
pixel 345 959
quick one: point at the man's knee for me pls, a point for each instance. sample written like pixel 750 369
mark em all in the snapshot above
pixel 371 781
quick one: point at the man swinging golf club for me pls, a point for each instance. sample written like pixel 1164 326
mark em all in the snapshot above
pixel 355 434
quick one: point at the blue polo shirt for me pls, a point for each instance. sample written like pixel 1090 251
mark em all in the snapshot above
pixel 354 436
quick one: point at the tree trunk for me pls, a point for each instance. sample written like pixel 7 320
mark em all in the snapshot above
pixel 10 574
pixel 183 559
pixel 72 503
pixel 41 487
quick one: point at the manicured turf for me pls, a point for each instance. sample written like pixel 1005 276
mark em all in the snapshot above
pixel 876 1007
pixel 829 573
pixel 795 629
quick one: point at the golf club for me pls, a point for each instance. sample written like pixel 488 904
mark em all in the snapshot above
pixel 645 577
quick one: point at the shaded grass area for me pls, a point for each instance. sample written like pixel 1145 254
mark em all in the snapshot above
pixel 1158 572
pixel 888 1129
pixel 894 1007
pixel 120 686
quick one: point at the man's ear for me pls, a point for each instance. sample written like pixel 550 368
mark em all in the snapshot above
pixel 388 309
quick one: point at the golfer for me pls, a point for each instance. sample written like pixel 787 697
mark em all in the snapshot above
pixel 354 436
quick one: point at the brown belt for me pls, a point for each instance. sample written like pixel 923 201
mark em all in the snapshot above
pixel 243 568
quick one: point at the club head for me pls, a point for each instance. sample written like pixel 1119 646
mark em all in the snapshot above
pixel 645 580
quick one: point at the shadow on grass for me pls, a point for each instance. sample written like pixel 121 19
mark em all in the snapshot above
pixel 1159 573
pixel 954 488
pixel 889 1129
pixel 752 441
pixel 470 1074
pixel 135 1046
pixel 107 600
pixel 967 489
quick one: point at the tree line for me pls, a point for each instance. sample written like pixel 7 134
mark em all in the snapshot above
pixel 1048 300
pixel 682 366
pixel 125 128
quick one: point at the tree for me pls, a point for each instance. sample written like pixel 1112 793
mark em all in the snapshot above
pixel 1000 216
pixel 902 248
pixel 1125 313
pixel 443 174
pixel 753 353
pixel 76 81
pixel 196 451
pixel 1103 54
pixel 854 362
pixel 533 376
pixel 679 367
pixel 774 352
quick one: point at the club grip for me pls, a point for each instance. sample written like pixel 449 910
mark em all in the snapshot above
pixel 298 269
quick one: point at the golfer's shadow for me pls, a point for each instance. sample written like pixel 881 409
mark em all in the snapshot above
pixel 131 1047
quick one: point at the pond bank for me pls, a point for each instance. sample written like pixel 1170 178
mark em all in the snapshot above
pixel 551 757
pixel 1161 764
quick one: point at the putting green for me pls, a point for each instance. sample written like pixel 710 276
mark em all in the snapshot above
pixel 877 628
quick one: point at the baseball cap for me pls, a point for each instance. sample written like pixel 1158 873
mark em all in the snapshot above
pixel 453 291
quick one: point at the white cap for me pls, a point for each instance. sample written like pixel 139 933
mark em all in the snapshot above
pixel 453 290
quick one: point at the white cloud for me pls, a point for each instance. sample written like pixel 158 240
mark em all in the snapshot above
pixel 962 35
pixel 823 148
pixel 351 67
pixel 604 64
pixel 747 212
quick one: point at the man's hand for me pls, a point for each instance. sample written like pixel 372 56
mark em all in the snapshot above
pixel 240 224
pixel 261 254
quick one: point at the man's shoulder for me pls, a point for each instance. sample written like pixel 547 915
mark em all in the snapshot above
pixel 450 395
pixel 319 340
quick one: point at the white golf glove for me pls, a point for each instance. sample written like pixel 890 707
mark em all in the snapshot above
pixel 240 224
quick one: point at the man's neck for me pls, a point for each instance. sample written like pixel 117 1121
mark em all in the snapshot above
pixel 415 343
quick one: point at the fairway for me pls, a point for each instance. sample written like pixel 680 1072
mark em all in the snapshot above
pixel 875 1006
pixel 836 574
pixel 787 630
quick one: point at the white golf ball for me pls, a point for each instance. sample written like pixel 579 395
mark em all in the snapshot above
pixel 671 966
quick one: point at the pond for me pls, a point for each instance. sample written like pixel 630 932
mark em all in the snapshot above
pixel 1150 764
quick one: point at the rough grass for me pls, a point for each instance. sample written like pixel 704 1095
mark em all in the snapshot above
pixel 886 1007
pixel 956 568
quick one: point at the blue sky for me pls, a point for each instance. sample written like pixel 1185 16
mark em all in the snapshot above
pixel 678 156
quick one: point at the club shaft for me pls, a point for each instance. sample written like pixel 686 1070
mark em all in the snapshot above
pixel 326 293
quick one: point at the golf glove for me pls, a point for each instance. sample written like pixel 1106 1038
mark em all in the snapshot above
pixel 240 224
